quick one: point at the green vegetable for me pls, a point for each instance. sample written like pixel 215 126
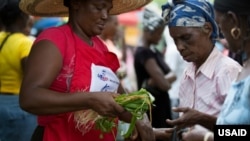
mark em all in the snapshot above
pixel 137 103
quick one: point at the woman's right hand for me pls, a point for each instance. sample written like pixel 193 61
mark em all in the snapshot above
pixel 104 104
pixel 191 117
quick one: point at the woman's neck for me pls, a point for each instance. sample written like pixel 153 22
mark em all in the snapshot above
pixel 146 43
pixel 203 60
pixel 80 33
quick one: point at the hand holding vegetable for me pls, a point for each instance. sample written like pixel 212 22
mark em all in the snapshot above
pixel 137 103
pixel 144 129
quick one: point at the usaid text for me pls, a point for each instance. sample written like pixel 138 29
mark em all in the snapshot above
pixel 232 132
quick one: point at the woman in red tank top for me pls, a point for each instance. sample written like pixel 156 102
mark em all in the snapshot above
pixel 70 69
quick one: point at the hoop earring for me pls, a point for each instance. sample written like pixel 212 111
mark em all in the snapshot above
pixel 235 32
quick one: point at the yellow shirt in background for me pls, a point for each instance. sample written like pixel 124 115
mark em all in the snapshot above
pixel 13 51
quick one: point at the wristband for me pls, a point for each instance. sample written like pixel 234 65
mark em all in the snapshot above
pixel 207 135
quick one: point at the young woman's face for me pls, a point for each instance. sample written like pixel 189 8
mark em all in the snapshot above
pixel 192 43
pixel 155 36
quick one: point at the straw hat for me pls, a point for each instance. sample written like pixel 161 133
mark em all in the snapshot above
pixel 50 8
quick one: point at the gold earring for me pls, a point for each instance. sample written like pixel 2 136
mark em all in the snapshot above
pixel 204 30
pixel 235 32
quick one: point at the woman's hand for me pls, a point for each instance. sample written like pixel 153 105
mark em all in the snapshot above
pixel 134 136
pixel 196 133
pixel 104 104
pixel 144 129
pixel 164 134
pixel 191 117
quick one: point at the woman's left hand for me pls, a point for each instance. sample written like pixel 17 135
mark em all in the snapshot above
pixel 143 131
pixel 134 136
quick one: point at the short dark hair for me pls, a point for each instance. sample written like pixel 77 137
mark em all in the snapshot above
pixel 10 12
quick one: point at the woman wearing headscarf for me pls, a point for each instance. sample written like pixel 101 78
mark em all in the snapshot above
pixel 70 72
pixel 207 78
pixel 233 18
pixel 152 72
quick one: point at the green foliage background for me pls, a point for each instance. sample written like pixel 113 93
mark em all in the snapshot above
pixel 160 2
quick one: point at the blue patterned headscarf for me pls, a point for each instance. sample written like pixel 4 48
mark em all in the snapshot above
pixel 190 13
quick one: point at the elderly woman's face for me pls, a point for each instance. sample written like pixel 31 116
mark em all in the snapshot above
pixel 92 15
pixel 192 43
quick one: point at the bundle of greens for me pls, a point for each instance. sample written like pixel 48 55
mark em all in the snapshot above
pixel 137 103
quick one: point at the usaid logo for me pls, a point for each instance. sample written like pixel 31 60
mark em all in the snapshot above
pixel 231 132
pixel 102 76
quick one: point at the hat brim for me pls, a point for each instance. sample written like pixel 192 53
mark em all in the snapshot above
pixel 55 8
